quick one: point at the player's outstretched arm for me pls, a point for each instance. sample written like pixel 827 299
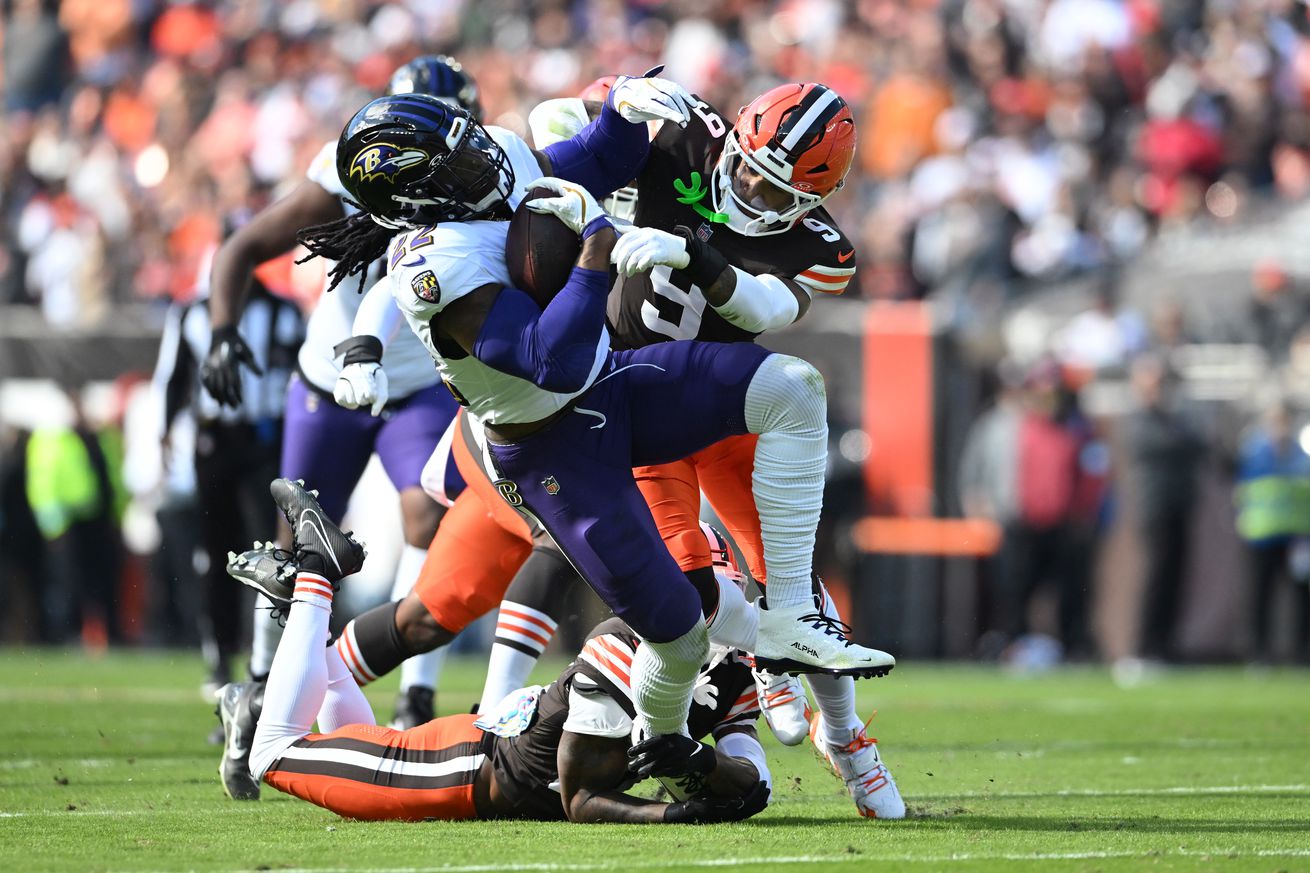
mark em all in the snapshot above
pixel 269 234
pixel 611 151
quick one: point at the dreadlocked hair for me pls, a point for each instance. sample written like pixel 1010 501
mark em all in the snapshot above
pixel 354 242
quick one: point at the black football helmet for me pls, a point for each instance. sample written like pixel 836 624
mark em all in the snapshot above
pixel 439 76
pixel 411 160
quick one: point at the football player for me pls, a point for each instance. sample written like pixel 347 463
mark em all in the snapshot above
pixel 562 752
pixel 732 240
pixel 561 417
pixel 325 441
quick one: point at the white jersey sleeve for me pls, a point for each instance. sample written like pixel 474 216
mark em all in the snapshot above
pixel 323 170
pixel 432 267
pixel 594 713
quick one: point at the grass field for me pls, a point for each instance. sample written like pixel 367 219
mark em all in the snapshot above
pixel 104 766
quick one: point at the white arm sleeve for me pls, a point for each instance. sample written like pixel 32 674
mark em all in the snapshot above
pixel 378 314
pixel 594 713
pixel 760 303
pixel 743 745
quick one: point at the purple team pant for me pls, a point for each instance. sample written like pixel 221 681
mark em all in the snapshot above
pixel 329 446
pixel 654 405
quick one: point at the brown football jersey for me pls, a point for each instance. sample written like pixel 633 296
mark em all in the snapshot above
pixel 724 701
pixel 674 189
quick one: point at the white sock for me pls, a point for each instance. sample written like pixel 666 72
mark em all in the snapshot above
pixel 265 633
pixel 344 703
pixel 736 622
pixel 298 678
pixel 787 406
pixel 663 677
pixel 423 670
pixel 835 695
pixel 522 634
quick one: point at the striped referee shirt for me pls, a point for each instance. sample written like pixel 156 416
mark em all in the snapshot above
pixel 272 327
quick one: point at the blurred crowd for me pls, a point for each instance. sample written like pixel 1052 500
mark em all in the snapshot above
pixel 1004 145
pixel 1001 140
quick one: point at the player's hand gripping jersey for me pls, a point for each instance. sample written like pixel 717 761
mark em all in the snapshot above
pixel 675 189
pixel 432 267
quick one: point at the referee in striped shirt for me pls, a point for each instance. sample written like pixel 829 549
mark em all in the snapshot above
pixel 237 447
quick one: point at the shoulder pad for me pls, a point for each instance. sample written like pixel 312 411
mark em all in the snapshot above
pixel 433 266
pixel 323 170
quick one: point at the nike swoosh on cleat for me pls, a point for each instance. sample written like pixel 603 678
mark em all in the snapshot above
pixel 316 524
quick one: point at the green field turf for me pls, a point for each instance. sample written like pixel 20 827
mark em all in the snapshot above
pixel 104 766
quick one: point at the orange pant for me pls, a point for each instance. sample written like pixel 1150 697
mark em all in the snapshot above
pixel 723 472
pixel 376 773
pixel 479 546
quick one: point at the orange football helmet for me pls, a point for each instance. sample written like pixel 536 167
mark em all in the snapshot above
pixel 801 138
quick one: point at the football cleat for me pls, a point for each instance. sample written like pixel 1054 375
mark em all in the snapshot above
pixel 800 639
pixel 238 709
pixel 321 547
pixel 859 765
pixel 267 569
pixel 785 706
pixel 415 705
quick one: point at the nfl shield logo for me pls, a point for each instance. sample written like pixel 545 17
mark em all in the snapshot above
pixel 551 485
pixel 704 232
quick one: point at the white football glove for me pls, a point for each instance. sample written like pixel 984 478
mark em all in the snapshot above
pixel 641 248
pixel 575 206
pixel 361 385
pixel 647 98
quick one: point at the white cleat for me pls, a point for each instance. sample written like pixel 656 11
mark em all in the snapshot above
pixel 800 639
pixel 860 766
pixel 785 706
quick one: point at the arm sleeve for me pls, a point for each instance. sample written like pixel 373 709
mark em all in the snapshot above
pixel 760 303
pixel 605 155
pixel 554 349
pixel 378 314
pixel 744 745
pixel 173 377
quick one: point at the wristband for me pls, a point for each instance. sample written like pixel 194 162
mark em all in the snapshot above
pixel 363 349
pixel 705 263
pixel 597 224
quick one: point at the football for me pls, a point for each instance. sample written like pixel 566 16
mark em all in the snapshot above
pixel 540 250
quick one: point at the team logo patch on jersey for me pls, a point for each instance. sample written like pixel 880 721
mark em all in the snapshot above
pixel 551 484
pixel 385 160
pixel 426 287
pixel 509 490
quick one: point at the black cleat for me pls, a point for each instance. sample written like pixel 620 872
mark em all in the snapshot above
pixel 238 709
pixel 416 705
pixel 321 547
pixel 267 569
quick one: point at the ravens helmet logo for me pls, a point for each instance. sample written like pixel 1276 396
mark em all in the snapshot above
pixel 384 160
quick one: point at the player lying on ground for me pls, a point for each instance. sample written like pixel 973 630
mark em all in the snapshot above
pixel 565 418
pixel 324 441
pixel 556 753
pixel 749 268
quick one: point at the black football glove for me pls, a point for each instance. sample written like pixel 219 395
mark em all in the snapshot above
pixel 221 372
pixel 671 755
pixel 715 810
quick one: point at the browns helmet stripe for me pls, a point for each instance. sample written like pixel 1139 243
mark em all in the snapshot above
pixel 805 125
